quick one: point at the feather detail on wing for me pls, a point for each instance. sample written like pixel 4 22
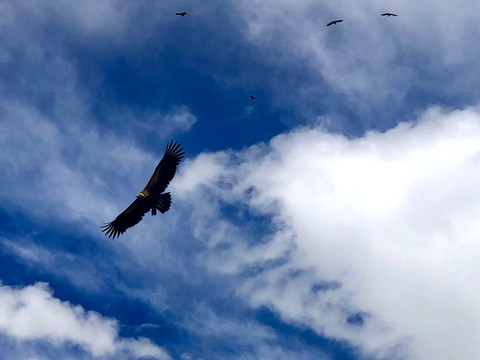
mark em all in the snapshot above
pixel 166 168
pixel 128 218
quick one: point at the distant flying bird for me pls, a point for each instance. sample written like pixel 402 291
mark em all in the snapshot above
pixel 151 197
pixel 181 13
pixel 252 97
pixel 334 22
pixel 389 14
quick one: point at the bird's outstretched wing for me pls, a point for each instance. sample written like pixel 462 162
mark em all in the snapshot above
pixel 166 168
pixel 131 216
pixel 389 14
pixel 334 22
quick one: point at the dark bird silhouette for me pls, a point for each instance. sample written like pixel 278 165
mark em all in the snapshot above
pixel 388 14
pixel 334 22
pixel 252 97
pixel 151 197
pixel 181 13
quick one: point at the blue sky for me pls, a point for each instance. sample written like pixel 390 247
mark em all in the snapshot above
pixel 334 217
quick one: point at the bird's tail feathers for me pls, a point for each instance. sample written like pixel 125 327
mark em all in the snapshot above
pixel 164 202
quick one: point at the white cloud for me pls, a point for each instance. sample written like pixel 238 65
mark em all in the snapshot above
pixel 392 217
pixel 204 170
pixel 32 313
pixel 179 119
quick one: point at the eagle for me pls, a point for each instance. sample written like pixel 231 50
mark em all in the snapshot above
pixel 388 14
pixel 252 97
pixel 152 196
pixel 181 13
pixel 334 22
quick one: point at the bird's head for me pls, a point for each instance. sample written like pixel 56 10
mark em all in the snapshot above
pixel 143 194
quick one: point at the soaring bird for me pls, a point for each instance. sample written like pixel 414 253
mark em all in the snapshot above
pixel 334 22
pixel 252 97
pixel 151 197
pixel 181 13
pixel 388 14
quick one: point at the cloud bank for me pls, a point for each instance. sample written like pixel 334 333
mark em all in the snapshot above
pixel 374 240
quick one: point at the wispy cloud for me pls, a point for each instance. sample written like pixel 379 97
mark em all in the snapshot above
pixel 370 68
pixel 162 124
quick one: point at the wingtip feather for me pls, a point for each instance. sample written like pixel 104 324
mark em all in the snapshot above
pixel 175 149
pixel 110 231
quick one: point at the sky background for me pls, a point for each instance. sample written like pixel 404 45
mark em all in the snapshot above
pixel 334 217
